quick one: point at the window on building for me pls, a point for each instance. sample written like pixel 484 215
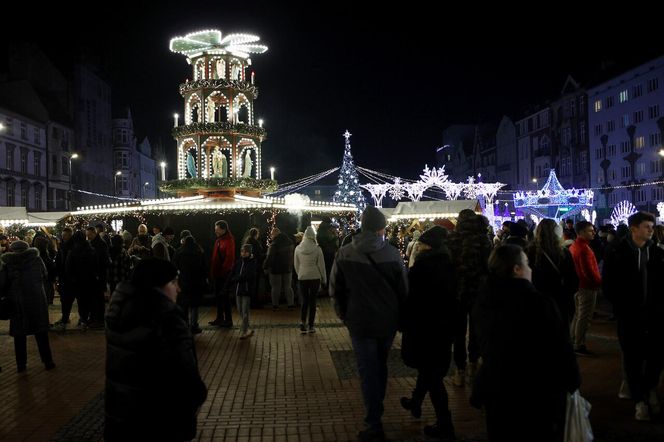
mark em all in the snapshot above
pixel 653 84
pixel 122 160
pixel 598 105
pixel 658 194
pixel 653 111
pixel 11 192
pixel 598 130
pixel 624 96
pixel 24 194
pixel 38 196
pixel 583 158
pixel 656 166
pixel 624 121
pixel 599 153
pixel 24 161
pixel 640 169
pixel 9 124
pixel 640 142
pixel 24 131
pixel 655 139
pixel 36 134
pixel 600 177
pixel 611 150
pixel 637 91
pixel 65 166
pixel 612 174
pixel 625 172
pixel 610 126
pixel 638 116
pixel 624 146
pixel 10 156
pixel 609 101
pixel 37 163
pixel 582 132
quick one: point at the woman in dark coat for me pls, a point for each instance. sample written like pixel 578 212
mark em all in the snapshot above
pixel 22 276
pixel 82 276
pixel 553 269
pixel 528 362
pixel 43 244
pixel 428 328
pixel 153 387
pixel 259 254
pixel 190 260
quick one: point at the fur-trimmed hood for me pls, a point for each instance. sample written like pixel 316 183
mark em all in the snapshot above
pixel 20 259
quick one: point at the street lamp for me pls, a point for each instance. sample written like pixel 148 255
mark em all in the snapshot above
pixel 2 127
pixel 535 182
pixel 272 169
pixel 661 152
pixel 145 187
pixel 73 156
pixel 117 174
pixel 163 170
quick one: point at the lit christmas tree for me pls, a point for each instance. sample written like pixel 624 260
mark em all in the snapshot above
pixel 348 185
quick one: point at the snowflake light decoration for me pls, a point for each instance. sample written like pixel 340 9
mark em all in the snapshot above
pixel 414 191
pixel 622 211
pixel 660 209
pixel 397 190
pixel 453 190
pixel 433 177
pixel 377 191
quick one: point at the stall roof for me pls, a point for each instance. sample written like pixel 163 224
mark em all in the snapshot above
pixel 13 215
pixel 47 219
pixel 433 209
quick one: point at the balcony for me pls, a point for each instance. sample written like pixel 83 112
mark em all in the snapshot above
pixel 223 127
pixel 239 86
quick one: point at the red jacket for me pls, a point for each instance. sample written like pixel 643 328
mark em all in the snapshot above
pixel 585 264
pixel 223 256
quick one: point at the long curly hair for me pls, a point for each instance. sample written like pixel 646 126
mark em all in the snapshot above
pixel 470 248
pixel 547 241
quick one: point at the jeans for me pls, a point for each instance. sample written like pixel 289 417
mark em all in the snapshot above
pixel 279 281
pixel 585 305
pixel 431 381
pixel 223 301
pixel 371 355
pixel 309 291
pixel 21 349
pixel 243 305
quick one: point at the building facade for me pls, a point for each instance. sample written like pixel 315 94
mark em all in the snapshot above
pixel 626 126
pixel 134 169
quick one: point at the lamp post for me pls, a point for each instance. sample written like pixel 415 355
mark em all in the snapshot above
pixel 535 182
pixel 73 156
pixel 272 169
pixel 163 170
pixel 117 174
pixel 145 187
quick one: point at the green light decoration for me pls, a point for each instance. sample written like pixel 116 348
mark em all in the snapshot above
pixel 203 183
pixel 211 42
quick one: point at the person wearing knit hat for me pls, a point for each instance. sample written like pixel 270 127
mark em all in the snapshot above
pixel 148 346
pixel 18 246
pixel 434 237
pixel 184 234
pixel 369 285
pixel 373 220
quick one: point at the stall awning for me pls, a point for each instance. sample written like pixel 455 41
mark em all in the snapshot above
pixel 433 209
pixel 13 215
pixel 46 219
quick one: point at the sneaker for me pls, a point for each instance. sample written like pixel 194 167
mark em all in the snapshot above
pixel 459 378
pixel 303 329
pixel 583 351
pixel 624 392
pixel 371 435
pixel 642 413
pixel 653 402
pixel 439 432
pixel 312 329
pixel 408 404
pixel 59 326
pixel 82 326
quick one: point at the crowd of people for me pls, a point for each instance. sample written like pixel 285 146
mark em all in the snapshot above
pixel 492 304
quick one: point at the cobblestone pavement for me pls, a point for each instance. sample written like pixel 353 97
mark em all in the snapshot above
pixel 277 386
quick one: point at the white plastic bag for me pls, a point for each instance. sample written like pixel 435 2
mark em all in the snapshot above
pixel 577 423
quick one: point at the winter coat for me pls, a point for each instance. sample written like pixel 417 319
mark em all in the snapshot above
pixel 369 298
pixel 81 269
pixel 623 284
pixel 243 277
pixel 160 247
pixel 309 262
pixel 153 387
pixel 559 282
pixel 103 259
pixel 256 249
pixel 223 256
pixel 470 249
pixel 120 267
pixel 279 259
pixel 585 264
pixel 22 276
pixel 430 312
pixel 190 261
pixel 528 360
pixel 327 240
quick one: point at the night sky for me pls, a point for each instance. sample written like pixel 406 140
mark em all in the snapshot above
pixel 393 77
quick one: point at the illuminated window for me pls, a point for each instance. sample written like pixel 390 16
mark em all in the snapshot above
pixel 624 96
pixel 598 105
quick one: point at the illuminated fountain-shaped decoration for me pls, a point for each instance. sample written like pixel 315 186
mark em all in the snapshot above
pixel 621 212
pixel 553 201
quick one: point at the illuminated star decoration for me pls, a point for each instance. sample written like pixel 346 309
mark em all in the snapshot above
pixel 211 42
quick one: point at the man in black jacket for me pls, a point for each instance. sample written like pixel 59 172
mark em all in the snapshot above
pixel 98 293
pixel 369 285
pixel 632 282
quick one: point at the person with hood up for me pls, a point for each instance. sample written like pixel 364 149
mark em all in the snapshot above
pixel 279 266
pixel 22 276
pixel 153 386
pixel 160 247
pixel 190 262
pixel 523 393
pixel 369 285
pixel 429 322
pixel 310 269
pixel 412 244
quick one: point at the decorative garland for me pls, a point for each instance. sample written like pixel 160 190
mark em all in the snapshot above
pixel 218 127
pixel 204 183
pixel 240 86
